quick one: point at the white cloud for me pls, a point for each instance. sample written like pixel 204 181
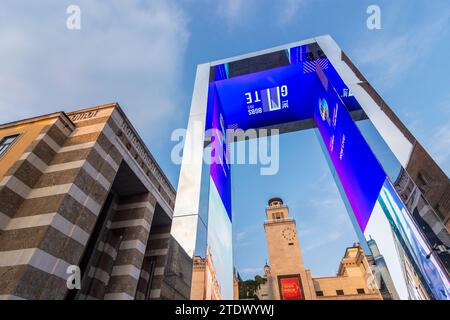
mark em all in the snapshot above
pixel 233 11
pixel 331 236
pixel 289 10
pixel 239 12
pixel 246 233
pixel 391 56
pixel 128 52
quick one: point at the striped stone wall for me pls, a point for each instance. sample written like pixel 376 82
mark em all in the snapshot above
pixel 50 200
pixel 157 250
pixel 28 261
pixel 132 219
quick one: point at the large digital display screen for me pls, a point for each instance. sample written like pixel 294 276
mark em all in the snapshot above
pixel 413 241
pixel 310 88
pixel 276 96
pixel 219 235
pixel 350 155
pixel 220 166
pixel 219 240
pixel 265 98
pixel 366 184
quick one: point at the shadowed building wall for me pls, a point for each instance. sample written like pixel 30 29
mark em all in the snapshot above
pixel 81 189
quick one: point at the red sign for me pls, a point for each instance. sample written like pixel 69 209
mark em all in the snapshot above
pixel 290 288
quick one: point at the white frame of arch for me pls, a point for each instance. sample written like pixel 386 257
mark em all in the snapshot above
pixel 189 225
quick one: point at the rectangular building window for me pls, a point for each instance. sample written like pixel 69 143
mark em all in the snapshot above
pixel 422 182
pixel 319 293
pixel 6 142
pixel 150 269
pixel 340 292
pixel 277 215
pixel 360 291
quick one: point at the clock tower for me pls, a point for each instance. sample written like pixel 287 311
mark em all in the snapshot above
pixel 291 280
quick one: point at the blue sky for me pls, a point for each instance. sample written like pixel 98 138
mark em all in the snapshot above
pixel 143 54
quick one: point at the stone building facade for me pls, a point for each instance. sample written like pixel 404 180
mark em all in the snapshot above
pixel 287 278
pixel 205 284
pixel 353 281
pixel 81 189
pixel 425 215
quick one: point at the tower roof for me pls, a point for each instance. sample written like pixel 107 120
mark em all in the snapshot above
pixel 275 199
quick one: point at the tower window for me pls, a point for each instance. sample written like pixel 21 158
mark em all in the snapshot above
pixel 6 142
pixel 360 291
pixel 277 215
pixel 319 293
pixel 340 292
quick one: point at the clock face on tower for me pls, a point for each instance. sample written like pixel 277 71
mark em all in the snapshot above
pixel 288 233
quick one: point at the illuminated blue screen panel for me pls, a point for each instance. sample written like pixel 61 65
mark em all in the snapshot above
pixel 309 88
pixel 368 188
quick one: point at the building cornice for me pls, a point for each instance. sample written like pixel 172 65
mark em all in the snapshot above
pixel 116 106
pixel 52 115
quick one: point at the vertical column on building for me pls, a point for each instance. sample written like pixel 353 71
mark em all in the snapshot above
pixel 85 166
pixel 23 226
pixel 101 264
pixel 154 265
pixel 20 178
pixel 50 229
pixel 132 219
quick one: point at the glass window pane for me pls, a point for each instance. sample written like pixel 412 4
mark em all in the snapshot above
pixel 6 142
